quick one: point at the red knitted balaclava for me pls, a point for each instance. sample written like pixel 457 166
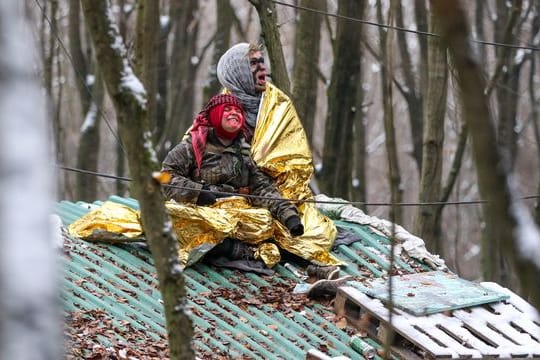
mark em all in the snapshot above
pixel 210 116
pixel 216 113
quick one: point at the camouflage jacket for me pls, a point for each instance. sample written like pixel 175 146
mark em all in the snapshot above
pixel 224 169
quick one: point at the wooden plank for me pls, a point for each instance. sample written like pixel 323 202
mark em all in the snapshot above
pixel 517 301
pixel 430 326
pixel 400 324
pixel 513 315
pixel 529 327
pixel 479 327
pixel 502 326
pixel 455 327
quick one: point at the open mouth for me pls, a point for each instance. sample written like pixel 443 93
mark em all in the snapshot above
pixel 233 119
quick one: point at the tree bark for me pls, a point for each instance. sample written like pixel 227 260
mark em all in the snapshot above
pixel 510 222
pixel 222 40
pixel 414 89
pixel 182 73
pixel 306 61
pixel 120 185
pixel 146 53
pixel 535 118
pixel 128 97
pixel 336 174
pixel 506 72
pixel 359 183
pixel 428 219
pixel 89 142
pixel 394 175
pixel 91 95
pixel 270 33
pixel 80 66
pixel 30 312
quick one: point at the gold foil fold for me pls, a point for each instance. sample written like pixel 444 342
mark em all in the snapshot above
pixel 110 222
pixel 268 253
pixel 281 149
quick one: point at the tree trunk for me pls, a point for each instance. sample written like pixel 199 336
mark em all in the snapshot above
pixel 428 219
pixel 270 33
pixel 495 266
pixel 394 176
pixel 88 151
pixel 535 118
pixel 48 45
pixel 507 71
pixel 91 95
pixel 162 78
pixel 120 185
pixel 336 174
pixel 479 27
pixel 30 314
pixel 146 53
pixel 414 89
pixel 180 110
pixel 225 17
pixel 359 183
pixel 78 60
pixel 510 222
pixel 306 63
pixel 128 97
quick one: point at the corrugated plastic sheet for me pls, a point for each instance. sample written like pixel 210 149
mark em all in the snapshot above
pixel 120 280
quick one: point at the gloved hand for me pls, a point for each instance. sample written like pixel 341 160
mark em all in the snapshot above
pixel 206 197
pixel 294 225
pixel 222 190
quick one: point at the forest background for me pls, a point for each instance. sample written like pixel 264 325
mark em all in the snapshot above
pixel 379 103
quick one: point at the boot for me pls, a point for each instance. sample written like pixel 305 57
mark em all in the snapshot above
pixel 322 272
pixel 326 289
pixel 241 251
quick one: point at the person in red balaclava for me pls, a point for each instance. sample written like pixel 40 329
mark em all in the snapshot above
pixel 214 161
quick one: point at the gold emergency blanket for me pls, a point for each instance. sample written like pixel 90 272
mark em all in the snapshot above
pixel 198 228
pixel 281 149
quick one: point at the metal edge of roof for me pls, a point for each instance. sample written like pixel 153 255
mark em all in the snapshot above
pixel 101 276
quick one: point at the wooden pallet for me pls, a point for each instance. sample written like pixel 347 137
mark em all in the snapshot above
pixel 506 329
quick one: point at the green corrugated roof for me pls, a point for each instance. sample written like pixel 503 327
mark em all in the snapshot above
pixel 232 311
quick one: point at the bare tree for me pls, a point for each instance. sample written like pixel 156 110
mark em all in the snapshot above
pixel 146 53
pixel 270 33
pixel 505 80
pixel 128 97
pixel 535 113
pixel 181 74
pixel 414 85
pixel 504 85
pixel 222 39
pixel 338 140
pixel 510 222
pixel 428 217
pixel 30 320
pixel 359 183
pixel 49 52
pixel 394 175
pixel 89 142
pixel 306 62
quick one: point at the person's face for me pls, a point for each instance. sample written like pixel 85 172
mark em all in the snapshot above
pixel 232 118
pixel 258 70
